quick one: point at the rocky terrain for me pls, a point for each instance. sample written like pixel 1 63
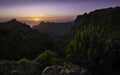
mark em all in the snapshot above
pixel 33 68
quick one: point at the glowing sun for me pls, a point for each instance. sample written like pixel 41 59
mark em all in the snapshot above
pixel 36 19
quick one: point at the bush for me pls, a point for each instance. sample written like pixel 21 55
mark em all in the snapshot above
pixel 23 61
pixel 57 61
pixel 46 57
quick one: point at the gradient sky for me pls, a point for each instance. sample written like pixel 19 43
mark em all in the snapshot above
pixel 34 11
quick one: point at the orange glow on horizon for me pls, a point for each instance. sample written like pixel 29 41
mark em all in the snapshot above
pixel 36 19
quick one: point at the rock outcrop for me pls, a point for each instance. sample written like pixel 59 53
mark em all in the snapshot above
pixel 33 68
pixel 68 69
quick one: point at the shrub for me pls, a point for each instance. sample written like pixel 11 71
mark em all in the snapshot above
pixel 46 57
pixel 23 61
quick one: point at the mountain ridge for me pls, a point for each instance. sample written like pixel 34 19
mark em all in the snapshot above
pixel 19 40
pixel 50 28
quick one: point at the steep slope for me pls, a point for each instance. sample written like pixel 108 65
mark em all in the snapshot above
pixel 18 40
pixel 109 17
pixel 99 23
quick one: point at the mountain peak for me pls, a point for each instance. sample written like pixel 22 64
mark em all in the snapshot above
pixel 13 21
pixel 14 24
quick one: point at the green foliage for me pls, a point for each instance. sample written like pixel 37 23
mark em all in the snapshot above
pixel 91 47
pixel 46 57
pixel 57 61
pixel 23 61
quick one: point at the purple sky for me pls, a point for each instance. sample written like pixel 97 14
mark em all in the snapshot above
pixel 34 11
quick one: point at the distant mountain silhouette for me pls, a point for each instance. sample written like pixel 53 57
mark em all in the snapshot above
pixel 13 25
pixel 18 40
pixel 53 28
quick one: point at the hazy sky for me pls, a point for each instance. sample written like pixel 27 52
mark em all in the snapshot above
pixel 34 11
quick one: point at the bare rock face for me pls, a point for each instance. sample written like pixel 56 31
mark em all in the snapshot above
pixel 52 70
pixel 64 70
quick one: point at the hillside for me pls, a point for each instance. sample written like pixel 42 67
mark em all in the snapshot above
pixel 94 41
pixel 18 40
pixel 87 27
pixel 108 17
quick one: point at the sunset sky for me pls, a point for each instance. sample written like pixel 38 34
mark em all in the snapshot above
pixel 34 11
